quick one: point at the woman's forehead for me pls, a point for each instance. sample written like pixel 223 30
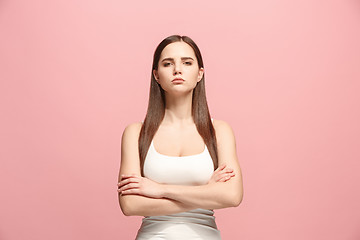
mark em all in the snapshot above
pixel 177 50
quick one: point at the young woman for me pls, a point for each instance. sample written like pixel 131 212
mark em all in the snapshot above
pixel 168 160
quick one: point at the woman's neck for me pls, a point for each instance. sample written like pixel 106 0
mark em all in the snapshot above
pixel 178 110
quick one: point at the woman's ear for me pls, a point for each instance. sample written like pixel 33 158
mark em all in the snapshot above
pixel 155 75
pixel 201 73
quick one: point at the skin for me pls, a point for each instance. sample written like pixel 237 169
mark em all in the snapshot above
pixel 177 134
pixel 177 94
pixel 146 187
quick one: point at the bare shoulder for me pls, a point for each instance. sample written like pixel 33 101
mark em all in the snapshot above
pixel 132 130
pixel 223 131
pixel 220 123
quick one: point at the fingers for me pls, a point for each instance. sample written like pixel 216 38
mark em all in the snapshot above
pixel 125 181
pixel 220 168
pixel 222 174
pixel 224 179
pixel 131 191
pixel 128 187
pixel 225 176
pixel 123 176
pixel 227 170
pixel 128 184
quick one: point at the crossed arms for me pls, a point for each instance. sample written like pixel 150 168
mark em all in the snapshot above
pixel 143 197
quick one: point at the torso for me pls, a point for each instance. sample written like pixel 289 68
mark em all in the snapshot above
pixel 178 165
pixel 179 156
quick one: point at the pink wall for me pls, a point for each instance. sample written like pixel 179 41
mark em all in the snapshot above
pixel 284 74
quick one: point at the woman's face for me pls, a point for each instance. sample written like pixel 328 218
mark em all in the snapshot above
pixel 178 60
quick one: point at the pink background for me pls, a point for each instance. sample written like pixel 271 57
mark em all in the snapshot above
pixel 284 74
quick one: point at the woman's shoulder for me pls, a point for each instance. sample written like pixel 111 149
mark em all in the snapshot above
pixel 220 123
pixel 134 125
pixel 133 129
pixel 222 128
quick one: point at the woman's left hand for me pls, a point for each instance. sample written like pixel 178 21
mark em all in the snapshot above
pixel 134 184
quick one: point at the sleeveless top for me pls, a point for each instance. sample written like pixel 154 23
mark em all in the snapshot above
pixel 195 169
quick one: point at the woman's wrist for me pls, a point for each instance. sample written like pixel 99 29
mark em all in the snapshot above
pixel 165 190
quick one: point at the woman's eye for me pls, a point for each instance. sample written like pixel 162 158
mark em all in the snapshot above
pixel 167 64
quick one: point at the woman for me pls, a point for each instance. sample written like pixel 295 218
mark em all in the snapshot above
pixel 168 161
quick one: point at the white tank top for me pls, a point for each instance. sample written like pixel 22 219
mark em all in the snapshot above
pixel 186 170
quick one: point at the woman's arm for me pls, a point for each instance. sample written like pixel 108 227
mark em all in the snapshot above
pixel 211 196
pixel 142 205
pixel 147 196
pixel 137 205
pixel 150 198
pixel 219 194
pixel 130 163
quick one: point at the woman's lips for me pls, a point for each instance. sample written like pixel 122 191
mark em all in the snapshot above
pixel 178 80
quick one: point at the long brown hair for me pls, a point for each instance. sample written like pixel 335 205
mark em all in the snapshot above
pixel 156 107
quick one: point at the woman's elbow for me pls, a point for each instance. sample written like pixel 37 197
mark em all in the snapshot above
pixel 236 199
pixel 126 211
pixel 125 207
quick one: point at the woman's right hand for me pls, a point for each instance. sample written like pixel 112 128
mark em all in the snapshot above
pixel 221 174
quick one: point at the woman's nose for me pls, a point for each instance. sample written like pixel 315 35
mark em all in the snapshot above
pixel 177 69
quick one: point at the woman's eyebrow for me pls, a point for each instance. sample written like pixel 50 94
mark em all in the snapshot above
pixel 171 59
